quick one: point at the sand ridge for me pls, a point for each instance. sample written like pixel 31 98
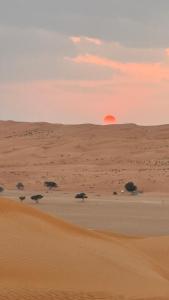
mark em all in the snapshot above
pixel 41 255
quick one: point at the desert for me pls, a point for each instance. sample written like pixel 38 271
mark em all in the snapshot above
pixel 109 246
pixel 90 158
pixel 84 150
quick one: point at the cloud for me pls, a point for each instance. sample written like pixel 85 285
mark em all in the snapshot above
pixel 96 60
pixel 94 41
pixel 116 51
pixel 75 39
pixel 38 54
pixel 86 39
pixel 149 71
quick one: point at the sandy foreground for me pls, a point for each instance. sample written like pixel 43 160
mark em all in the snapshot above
pixel 43 257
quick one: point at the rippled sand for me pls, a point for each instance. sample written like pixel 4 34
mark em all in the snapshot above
pixel 43 257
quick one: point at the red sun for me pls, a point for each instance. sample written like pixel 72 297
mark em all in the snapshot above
pixel 109 119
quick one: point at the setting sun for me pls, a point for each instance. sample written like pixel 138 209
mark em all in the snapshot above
pixel 109 119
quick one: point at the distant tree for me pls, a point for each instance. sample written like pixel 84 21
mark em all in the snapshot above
pixel 81 196
pixel 1 189
pixel 36 198
pixel 22 198
pixel 130 187
pixel 50 185
pixel 20 186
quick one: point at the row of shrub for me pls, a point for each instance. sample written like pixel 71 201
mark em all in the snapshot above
pixel 50 185
pixel 129 187
pixel 36 198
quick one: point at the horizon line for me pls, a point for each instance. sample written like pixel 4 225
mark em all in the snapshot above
pixel 83 124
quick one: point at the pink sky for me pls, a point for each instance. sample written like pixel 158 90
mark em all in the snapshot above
pixel 95 78
pixel 77 61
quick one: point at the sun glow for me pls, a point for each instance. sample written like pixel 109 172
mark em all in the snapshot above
pixel 109 119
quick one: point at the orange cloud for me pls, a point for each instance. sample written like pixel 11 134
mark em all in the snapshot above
pixel 151 71
pixel 94 41
pixel 75 39
pixel 86 39
pixel 96 60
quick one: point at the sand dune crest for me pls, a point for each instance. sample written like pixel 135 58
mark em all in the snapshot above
pixel 42 256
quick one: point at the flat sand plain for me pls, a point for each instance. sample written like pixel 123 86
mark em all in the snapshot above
pixel 142 215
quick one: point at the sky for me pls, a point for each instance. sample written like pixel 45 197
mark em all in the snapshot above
pixel 75 61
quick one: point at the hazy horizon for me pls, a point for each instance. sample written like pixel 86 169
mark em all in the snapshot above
pixel 85 123
pixel 75 62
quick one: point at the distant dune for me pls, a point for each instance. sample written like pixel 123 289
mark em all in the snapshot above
pixel 84 157
pixel 45 258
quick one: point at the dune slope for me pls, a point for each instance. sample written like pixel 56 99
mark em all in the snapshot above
pixel 42 257
pixel 84 157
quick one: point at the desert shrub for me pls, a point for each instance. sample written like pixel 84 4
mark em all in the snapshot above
pixel 22 198
pixel 81 196
pixel 130 187
pixel 50 185
pixel 1 189
pixel 36 198
pixel 20 186
pixel 115 193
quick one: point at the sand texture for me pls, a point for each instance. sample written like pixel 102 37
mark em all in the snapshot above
pixel 86 158
pixel 42 257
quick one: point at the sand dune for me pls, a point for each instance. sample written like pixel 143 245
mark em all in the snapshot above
pixel 84 157
pixel 43 257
